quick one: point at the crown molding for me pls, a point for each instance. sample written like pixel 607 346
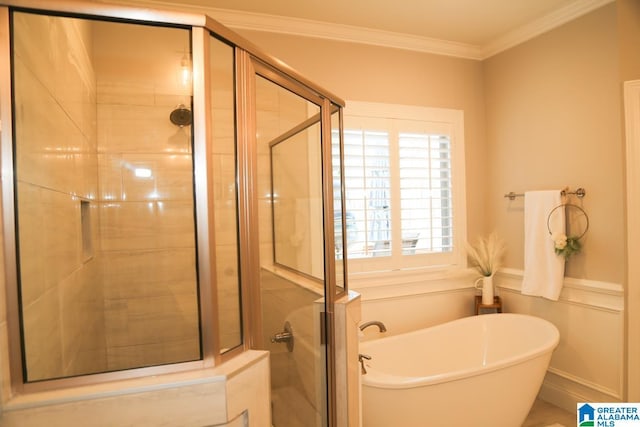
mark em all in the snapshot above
pixel 241 20
pixel 344 33
pixel 542 25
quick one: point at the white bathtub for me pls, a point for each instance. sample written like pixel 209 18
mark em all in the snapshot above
pixel 477 371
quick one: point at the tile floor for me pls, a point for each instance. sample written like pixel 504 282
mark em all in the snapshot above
pixel 545 414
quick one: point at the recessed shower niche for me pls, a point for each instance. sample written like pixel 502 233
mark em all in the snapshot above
pixel 170 186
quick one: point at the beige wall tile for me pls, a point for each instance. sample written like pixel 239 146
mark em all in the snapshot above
pixel 227 270
pixel 5 369
pixel 74 78
pixel 123 92
pixel 136 274
pixel 61 228
pixel 152 330
pixel 294 374
pixel 85 179
pixel 135 128
pixel 229 305
pixel 223 128
pixel 171 177
pixel 56 144
pixel 146 225
pixel 171 101
pixel 264 175
pixel 110 177
pixel 268 123
pixel 47 140
pixel 152 56
pixel 3 291
pixel 82 321
pixel 126 357
pixel 43 337
pixel 163 319
pixel 32 266
pixel 36 30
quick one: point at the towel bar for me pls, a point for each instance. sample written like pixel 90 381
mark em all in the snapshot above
pixel 580 193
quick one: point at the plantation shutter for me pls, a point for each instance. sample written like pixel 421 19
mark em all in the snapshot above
pixel 425 193
pixel 401 189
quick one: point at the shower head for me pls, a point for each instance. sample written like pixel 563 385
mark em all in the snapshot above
pixel 181 116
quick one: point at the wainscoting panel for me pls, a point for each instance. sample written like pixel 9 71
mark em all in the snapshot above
pixel 588 364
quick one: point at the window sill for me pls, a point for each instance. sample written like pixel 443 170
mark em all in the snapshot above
pixel 387 284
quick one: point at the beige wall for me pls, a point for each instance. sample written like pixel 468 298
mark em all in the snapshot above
pixel 629 32
pixel 629 36
pixel 552 109
pixel 360 72
pixel 554 120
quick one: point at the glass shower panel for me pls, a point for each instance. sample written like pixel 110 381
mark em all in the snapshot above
pixel 297 199
pixel 225 193
pixel 104 196
pixel 338 221
pixel 291 253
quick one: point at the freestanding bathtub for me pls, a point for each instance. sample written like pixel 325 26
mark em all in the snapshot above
pixel 477 371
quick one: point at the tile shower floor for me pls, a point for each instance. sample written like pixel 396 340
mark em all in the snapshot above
pixel 545 414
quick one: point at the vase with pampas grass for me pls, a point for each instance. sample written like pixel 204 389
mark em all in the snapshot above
pixel 486 257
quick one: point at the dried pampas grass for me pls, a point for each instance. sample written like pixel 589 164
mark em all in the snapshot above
pixel 486 255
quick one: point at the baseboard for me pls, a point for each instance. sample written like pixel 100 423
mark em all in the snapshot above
pixel 566 392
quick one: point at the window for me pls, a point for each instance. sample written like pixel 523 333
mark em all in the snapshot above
pixel 404 177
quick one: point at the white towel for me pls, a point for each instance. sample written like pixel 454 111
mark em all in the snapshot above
pixel 543 269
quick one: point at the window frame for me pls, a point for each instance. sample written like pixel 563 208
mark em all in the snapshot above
pixel 386 117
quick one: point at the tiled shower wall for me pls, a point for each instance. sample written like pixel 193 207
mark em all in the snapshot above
pixel 56 138
pixel 151 309
pixel 131 299
pixel 118 294
pixel 146 198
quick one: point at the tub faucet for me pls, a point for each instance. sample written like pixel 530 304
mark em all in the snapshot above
pixel 361 359
pixel 377 323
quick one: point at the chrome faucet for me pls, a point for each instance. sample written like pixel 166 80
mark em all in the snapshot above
pixel 377 323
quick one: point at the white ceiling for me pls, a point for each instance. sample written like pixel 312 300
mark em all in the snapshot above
pixel 477 28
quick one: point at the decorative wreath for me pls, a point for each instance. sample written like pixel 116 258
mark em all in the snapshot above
pixel 564 245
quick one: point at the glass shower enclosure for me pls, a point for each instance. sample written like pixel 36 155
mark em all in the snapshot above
pixel 170 201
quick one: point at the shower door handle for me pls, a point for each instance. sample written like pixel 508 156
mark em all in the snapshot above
pixel 285 336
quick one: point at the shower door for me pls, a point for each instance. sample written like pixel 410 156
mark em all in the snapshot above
pixel 292 261
pixel 104 200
